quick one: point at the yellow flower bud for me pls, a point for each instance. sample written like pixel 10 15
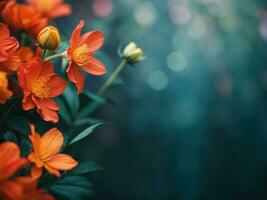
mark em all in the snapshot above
pixel 49 38
pixel 132 53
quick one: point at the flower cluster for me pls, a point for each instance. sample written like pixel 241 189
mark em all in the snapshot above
pixel 32 83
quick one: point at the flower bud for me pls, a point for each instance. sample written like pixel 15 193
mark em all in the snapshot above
pixel 132 53
pixel 49 38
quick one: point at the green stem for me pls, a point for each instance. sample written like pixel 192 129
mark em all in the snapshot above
pixel 112 78
pixel 43 56
pixel 60 55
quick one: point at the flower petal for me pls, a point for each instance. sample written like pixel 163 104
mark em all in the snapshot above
pixel 10 159
pixel 76 34
pixel 57 86
pixel 36 172
pixel 47 109
pixel 35 139
pixel 52 171
pixel 62 162
pixel 94 40
pixel 95 67
pixel 76 76
pixel 27 103
pixel 51 143
pixel 11 190
pixel 62 10
pixel 11 64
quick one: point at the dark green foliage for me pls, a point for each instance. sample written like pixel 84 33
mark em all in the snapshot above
pixel 71 188
pixel 86 132
pixel 85 167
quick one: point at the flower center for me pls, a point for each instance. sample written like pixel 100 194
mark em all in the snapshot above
pixel 81 55
pixel 40 88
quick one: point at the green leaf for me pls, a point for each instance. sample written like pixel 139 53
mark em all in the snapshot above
pixel 10 136
pixel 95 102
pixel 18 123
pixel 89 121
pixel 95 97
pixel 25 147
pixel 72 99
pixel 85 133
pixel 71 188
pixel 85 167
pixel 63 112
pixel 88 109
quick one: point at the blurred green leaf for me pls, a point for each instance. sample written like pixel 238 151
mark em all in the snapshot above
pixel 92 105
pixel 63 112
pixel 18 123
pixel 88 121
pixel 10 136
pixel 71 188
pixel 72 99
pixel 95 97
pixel 85 167
pixel 117 83
pixel 25 147
pixel 85 133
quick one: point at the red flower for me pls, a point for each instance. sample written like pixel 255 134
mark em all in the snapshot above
pixel 3 4
pixel 31 191
pixel 11 162
pixel 51 8
pixel 40 84
pixel 8 45
pixel 24 17
pixel 5 93
pixel 81 55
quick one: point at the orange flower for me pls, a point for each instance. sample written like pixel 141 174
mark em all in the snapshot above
pixel 5 93
pixel 45 153
pixel 10 163
pixel 17 58
pixel 24 17
pixel 7 44
pixel 30 189
pixel 81 55
pixel 51 8
pixel 3 4
pixel 25 54
pixel 40 84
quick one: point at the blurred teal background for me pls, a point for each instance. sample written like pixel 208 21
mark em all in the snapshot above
pixel 190 122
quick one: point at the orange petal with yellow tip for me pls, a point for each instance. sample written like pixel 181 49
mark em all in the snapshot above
pixel 62 162
pixel 51 143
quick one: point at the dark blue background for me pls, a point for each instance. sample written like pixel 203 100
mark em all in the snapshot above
pixel 190 121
